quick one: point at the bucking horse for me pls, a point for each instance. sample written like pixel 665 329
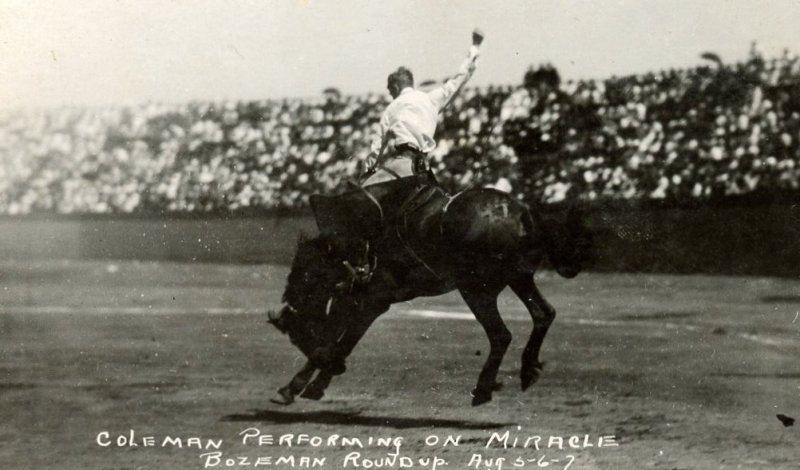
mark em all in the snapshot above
pixel 407 238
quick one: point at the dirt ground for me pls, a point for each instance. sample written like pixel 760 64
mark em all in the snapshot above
pixel 132 365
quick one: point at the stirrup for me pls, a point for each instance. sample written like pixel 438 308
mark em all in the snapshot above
pixel 360 274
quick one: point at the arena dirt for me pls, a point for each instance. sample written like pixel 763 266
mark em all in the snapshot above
pixel 683 371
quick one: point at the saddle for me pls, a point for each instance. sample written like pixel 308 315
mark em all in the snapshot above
pixel 396 220
pixel 366 212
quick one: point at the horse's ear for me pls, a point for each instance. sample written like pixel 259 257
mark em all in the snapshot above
pixel 576 214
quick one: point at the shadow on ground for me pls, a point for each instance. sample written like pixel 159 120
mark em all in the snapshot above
pixel 657 316
pixel 789 299
pixel 356 419
pixel 757 375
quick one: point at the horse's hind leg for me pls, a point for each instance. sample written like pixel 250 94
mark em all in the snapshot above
pixel 483 303
pixel 542 314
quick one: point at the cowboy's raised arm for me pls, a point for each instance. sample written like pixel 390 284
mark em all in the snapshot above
pixel 442 96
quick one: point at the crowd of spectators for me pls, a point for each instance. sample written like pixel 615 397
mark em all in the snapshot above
pixel 693 134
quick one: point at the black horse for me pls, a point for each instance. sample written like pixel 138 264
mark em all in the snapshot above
pixel 478 242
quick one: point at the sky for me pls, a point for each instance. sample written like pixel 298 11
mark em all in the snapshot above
pixel 112 52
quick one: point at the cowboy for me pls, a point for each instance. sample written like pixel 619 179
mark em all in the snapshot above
pixel 410 121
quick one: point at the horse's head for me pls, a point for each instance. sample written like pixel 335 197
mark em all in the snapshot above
pixel 305 332
pixel 325 274
pixel 575 245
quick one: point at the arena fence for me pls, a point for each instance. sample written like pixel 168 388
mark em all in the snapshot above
pixel 740 240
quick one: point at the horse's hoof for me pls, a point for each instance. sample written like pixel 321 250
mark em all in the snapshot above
pixel 311 393
pixel 530 377
pixel 338 368
pixel 479 397
pixel 284 397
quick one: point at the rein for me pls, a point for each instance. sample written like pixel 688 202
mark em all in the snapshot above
pixel 372 198
pixel 413 253
pixel 404 210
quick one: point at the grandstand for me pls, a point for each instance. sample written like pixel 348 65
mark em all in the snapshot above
pixel 711 133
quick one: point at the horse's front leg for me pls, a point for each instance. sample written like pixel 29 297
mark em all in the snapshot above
pixel 299 382
pixel 337 356
pixel 316 389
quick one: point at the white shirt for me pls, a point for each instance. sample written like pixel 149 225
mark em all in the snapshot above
pixel 413 115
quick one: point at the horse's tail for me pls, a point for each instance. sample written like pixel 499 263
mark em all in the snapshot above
pixel 568 243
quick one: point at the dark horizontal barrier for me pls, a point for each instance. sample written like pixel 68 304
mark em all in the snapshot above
pixel 755 240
